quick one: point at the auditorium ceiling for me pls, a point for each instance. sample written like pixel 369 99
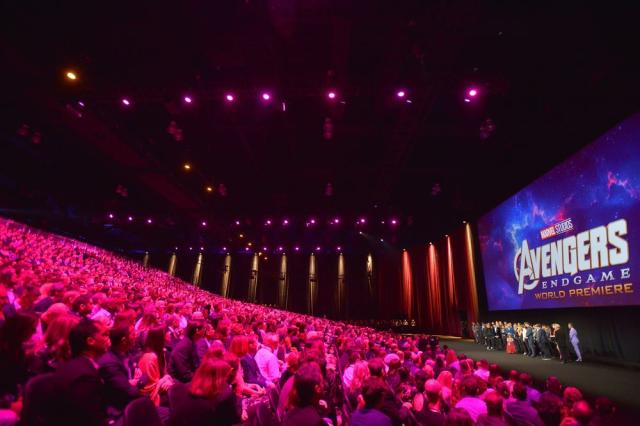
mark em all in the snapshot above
pixel 262 138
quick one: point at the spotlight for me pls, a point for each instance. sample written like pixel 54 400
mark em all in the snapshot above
pixel 201 248
pixel 130 218
pixel 296 248
pixel 362 221
pixel 360 233
pixel 467 100
pixel 331 94
pixel 268 222
pixel 224 249
pixel 125 102
pixel 381 240
pixel 312 221
pixel 209 188
pixel 394 221
pixel 229 97
pixel 71 75
pixel 280 248
pixel 149 221
pixel 204 223
pixel 187 99
pixel 472 92
pixel 285 222
pixel 238 222
pixel 176 247
pixel 401 93
pixel 336 221
pixel 264 249
pixel 339 248
pixel 241 235
pixel 246 249
pixel 266 96
pixel 318 248
pixel 249 243
pixel 186 166
pixel 111 216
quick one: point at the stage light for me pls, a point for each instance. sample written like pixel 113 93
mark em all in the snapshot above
pixel 241 235
pixel 360 233
pixel 249 243
pixel 338 248
pixel 312 221
pixel 472 92
pixel 80 103
pixel 187 99
pixel 266 96
pixel 336 221
pixel 238 222
pixel 204 223
pixel 284 107
pixel 149 221
pixel 71 75
pixel 266 258
pixel 201 248
pixel 394 221
pixel 246 249
pixel 467 100
pixel 401 94
pixel 285 222
pixel 130 218
pixel 176 247
pixel 229 97
pixel 280 248
pixel 381 240
pixel 186 166
pixel 297 248
pixel 268 222
pixel 362 221
pixel 209 188
pixel 224 249
pixel 264 249
pixel 318 248
pixel 111 216
pixel 125 102
pixel 331 95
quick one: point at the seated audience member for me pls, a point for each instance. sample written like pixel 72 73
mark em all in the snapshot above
pixel 533 395
pixel 434 410
pixel 519 410
pixel 120 385
pixel 267 360
pixel 470 390
pixel 14 333
pixel 292 364
pixel 604 412
pixel 82 306
pixel 553 386
pixel 570 396
pixel 304 398
pixel 354 392
pixel 82 387
pixel 250 370
pixel 208 399
pixel 370 414
pixel 494 416
pixel 184 359
pixel 155 382
pixel 549 409
pixel 483 370
pixel 459 417
pixel 582 412
pixel 57 349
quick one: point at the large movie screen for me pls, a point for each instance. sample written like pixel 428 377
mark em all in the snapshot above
pixel 572 237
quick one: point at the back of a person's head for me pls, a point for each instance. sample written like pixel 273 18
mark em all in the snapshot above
pixel 433 389
pixel 211 378
pixel 376 367
pixel 155 340
pixel 604 407
pixel 494 403
pixel 514 375
pixel 239 345
pixel 571 395
pixel 421 378
pixel 458 417
pixel 470 386
pixel 526 378
pixel 582 412
pixel 306 383
pixel 550 408
pixel 373 391
pixel 553 385
pixel 193 327
pixel 118 334
pixel 79 334
pixel 519 391
pixel 483 364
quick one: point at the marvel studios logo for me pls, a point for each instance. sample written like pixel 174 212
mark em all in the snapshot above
pixel 557 229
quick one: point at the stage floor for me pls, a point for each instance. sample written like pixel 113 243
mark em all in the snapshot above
pixel 617 383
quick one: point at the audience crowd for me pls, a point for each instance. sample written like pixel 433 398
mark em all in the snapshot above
pixel 90 338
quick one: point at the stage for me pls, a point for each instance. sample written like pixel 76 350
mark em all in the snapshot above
pixel 593 379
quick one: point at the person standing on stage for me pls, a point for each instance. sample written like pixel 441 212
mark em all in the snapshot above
pixel 575 342
pixel 561 343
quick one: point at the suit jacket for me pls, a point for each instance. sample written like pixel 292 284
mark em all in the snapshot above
pixel 83 391
pixel 522 413
pixel 190 410
pixel 307 416
pixel 183 361
pixel 118 391
pixel 573 335
pixel 251 372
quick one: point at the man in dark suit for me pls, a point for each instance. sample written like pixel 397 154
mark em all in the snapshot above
pixel 250 366
pixel 184 357
pixel 519 410
pixel 82 388
pixel 530 341
pixel 543 343
pixel 496 335
pixel 115 371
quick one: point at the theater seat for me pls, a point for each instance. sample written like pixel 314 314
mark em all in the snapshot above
pixel 141 412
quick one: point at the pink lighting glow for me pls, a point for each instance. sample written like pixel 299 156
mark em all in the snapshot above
pixel 130 218
pixel 126 102
pixel 238 222
pixel 224 249
pixel 229 97
pixel 336 220
pixel 339 248
pixel 318 248
pixel 149 221
pixel 312 221
pixel 467 100
pixel 285 222
pixel 297 248
pixel 401 94
pixel 187 99
pixel 204 223
pixel 280 248
pixel 111 216
pixel 246 249
pixel 473 92
pixel 266 96
pixel 362 220
pixel 268 222
pixel 394 221
pixel 264 249
pixel 331 95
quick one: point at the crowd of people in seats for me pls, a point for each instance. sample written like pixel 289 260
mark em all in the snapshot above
pixel 89 338
pixel 530 340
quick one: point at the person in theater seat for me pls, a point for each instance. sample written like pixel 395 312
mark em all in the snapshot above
pixel 373 391
pixel 519 410
pixel 267 361
pixel 184 359
pixel 470 401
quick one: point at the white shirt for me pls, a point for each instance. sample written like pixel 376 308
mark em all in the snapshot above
pixel 268 364
pixel 347 376
pixel 474 406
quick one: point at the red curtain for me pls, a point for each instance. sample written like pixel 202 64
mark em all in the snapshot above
pixel 407 285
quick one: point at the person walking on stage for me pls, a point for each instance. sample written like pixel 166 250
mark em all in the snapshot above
pixel 575 342
pixel 561 343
